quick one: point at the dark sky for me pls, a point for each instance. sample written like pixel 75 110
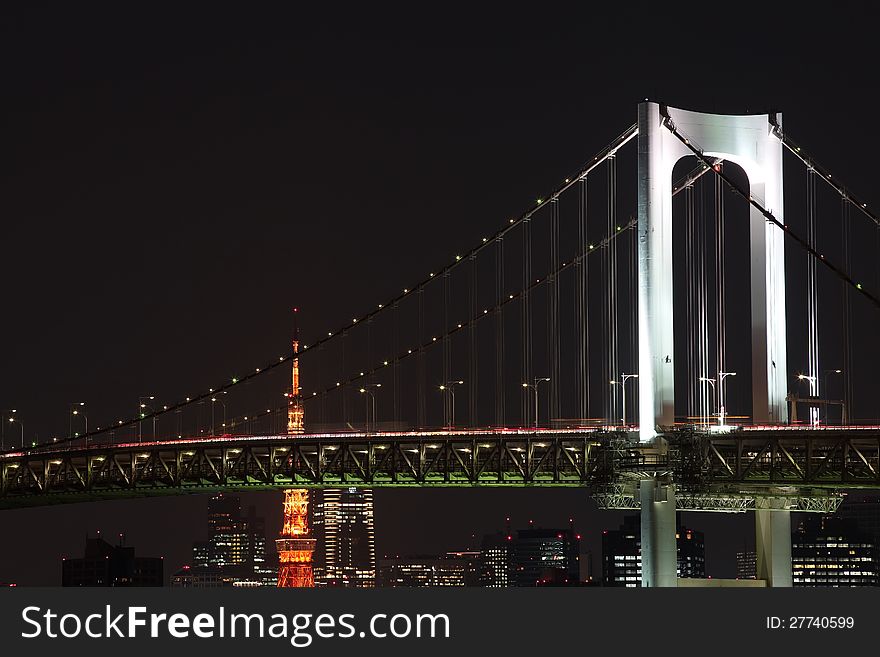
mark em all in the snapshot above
pixel 172 181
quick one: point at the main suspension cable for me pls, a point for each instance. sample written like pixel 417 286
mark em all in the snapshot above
pixel 800 241
pixel 619 142
pixel 582 324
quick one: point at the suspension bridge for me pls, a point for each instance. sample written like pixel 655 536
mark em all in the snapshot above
pixel 592 341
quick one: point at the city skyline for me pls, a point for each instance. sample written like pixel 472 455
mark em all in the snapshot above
pixel 482 565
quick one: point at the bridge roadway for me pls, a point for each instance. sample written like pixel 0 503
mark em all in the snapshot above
pixel 795 468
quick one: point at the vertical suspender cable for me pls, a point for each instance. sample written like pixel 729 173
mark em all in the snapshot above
pixel 633 319
pixel 611 364
pixel 812 301
pixel 693 383
pixel 499 332
pixel 446 355
pixel 323 382
pixel 420 362
pixel 526 321
pixel 720 291
pixel 343 377
pixel 395 374
pixel 369 364
pixel 847 373
pixel 553 315
pixel 474 361
pixel 581 320
pixel 703 343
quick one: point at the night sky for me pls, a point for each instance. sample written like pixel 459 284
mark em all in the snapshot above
pixel 173 181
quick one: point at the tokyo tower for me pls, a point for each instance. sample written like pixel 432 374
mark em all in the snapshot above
pixel 295 546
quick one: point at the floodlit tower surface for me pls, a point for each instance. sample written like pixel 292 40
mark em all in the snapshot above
pixel 295 547
pixel 751 142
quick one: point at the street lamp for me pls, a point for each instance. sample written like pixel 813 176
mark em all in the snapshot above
pixel 142 408
pixel 76 408
pixel 213 401
pixel 623 379
pixel 825 388
pixel 371 401
pixel 534 386
pixel 711 382
pixel 814 385
pixel 21 426
pixel 449 387
pixel 721 410
pixel 3 426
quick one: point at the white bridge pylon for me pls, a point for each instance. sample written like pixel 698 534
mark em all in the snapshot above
pixel 748 141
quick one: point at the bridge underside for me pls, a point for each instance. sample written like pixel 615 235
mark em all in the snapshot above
pixel 741 471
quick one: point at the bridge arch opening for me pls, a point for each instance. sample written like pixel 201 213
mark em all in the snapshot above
pixel 710 245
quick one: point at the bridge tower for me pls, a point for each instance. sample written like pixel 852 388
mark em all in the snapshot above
pixel 295 546
pixel 753 143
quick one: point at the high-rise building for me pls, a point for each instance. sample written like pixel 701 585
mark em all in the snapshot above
pixel 691 550
pixel 235 550
pixel 227 532
pixel 345 554
pixel 470 561
pixel 622 554
pixel 545 556
pixel 201 554
pixel 450 569
pixel 496 560
pixel 111 565
pixel 746 564
pixel 827 551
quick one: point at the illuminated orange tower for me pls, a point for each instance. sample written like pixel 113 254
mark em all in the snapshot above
pixel 295 411
pixel 295 546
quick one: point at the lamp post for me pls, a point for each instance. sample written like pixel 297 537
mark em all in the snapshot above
pixel 449 417
pixel 814 384
pixel 142 408
pixel 623 379
pixel 21 426
pixel 214 400
pixel 13 411
pixel 825 388
pixel 371 402
pixel 76 409
pixel 534 386
pixel 711 382
pixel 721 410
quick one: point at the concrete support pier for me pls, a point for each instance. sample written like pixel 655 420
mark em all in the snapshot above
pixel 659 549
pixel 773 547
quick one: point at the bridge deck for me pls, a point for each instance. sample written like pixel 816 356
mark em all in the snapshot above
pixel 750 462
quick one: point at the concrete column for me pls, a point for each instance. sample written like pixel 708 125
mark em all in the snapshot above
pixel 773 547
pixel 659 548
pixel 767 263
pixel 657 154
